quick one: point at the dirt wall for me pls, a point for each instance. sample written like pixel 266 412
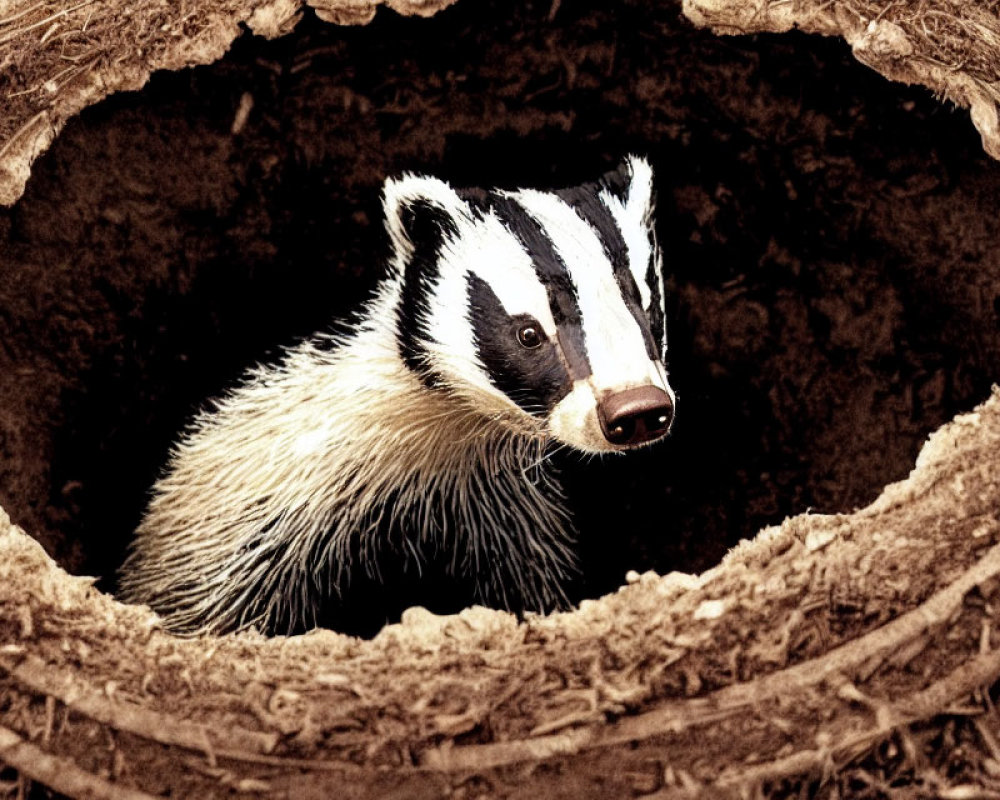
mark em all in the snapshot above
pixel 829 245
pixel 834 297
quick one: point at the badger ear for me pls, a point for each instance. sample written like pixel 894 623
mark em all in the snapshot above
pixel 420 212
pixel 632 184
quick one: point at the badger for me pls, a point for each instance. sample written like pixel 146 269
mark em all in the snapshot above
pixel 509 324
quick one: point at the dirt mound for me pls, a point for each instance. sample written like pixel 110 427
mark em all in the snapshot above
pixel 802 651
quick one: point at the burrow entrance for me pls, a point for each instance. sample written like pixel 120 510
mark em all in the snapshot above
pixel 829 239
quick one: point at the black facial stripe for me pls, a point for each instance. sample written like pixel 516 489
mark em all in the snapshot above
pixel 618 181
pixel 589 207
pixel 536 378
pixel 477 199
pixel 553 275
pixel 548 265
pixel 427 226
pixel 654 280
pixel 657 323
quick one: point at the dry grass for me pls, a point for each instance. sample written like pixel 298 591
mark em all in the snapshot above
pixel 48 47
pixel 59 56
pixel 950 46
pixel 956 35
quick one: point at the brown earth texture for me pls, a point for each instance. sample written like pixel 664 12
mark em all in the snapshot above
pixel 833 301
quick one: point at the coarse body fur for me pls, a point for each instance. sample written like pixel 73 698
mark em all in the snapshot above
pixel 424 431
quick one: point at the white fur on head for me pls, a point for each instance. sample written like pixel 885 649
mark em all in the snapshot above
pixel 470 243
pixel 459 241
pixel 634 218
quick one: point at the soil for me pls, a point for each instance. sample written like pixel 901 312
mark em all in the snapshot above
pixel 834 285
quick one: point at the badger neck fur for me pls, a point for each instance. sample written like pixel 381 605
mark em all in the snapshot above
pixel 509 323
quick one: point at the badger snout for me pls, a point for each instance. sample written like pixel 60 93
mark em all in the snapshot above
pixel 635 416
pixel 613 419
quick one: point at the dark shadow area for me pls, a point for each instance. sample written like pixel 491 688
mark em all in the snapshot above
pixel 829 240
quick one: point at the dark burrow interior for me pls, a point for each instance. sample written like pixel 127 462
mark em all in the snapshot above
pixel 829 240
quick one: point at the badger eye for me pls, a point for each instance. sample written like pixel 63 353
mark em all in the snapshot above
pixel 530 336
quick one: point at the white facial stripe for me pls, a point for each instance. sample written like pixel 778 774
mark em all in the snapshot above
pixel 486 248
pixel 496 256
pixel 615 346
pixel 453 343
pixel 640 189
pixel 658 277
pixel 633 218
pixel 630 218
pixel 464 370
pixel 639 209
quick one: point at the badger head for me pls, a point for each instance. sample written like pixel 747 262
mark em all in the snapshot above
pixel 543 309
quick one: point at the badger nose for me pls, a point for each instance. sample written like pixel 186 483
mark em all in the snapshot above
pixel 635 416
